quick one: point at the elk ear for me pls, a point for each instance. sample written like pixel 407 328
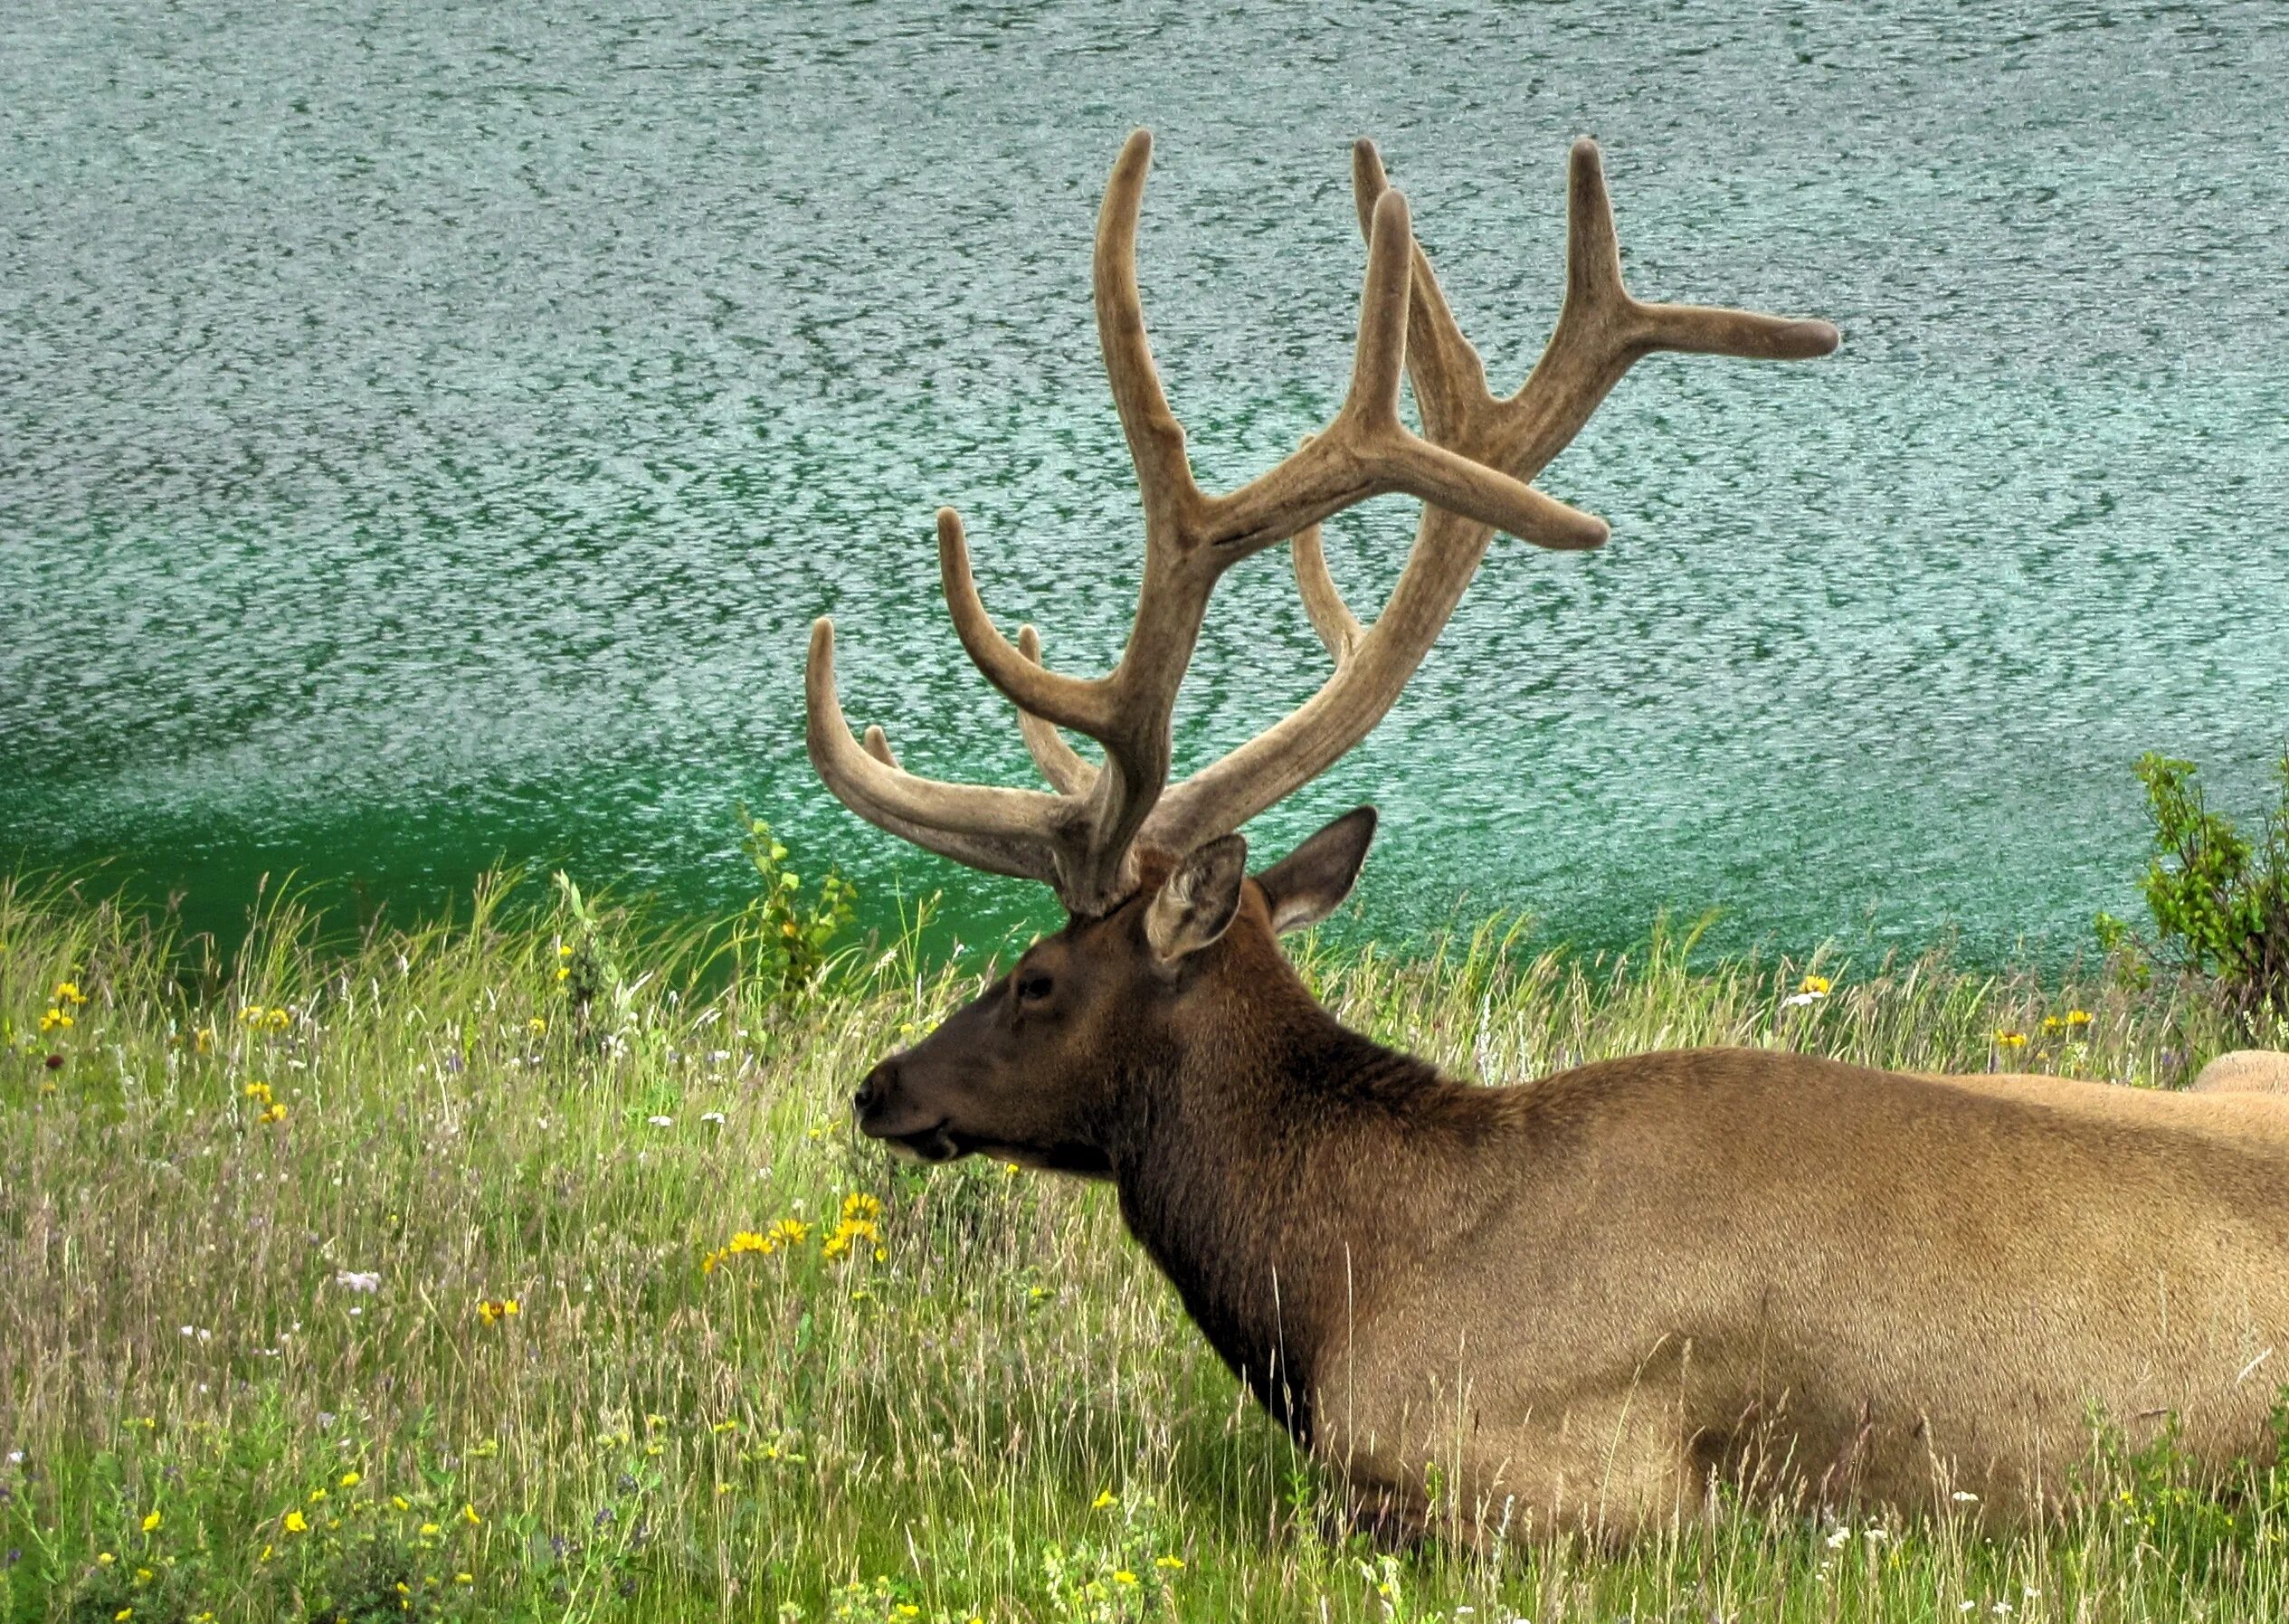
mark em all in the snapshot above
pixel 1195 904
pixel 1311 882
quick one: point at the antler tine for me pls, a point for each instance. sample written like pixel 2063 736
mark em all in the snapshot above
pixel 1003 831
pixel 1338 628
pixel 1449 379
pixel 1602 331
pixel 1060 764
pixel 1155 439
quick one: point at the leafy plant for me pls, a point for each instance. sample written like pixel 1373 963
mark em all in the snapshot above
pixel 787 937
pixel 586 971
pixel 2219 899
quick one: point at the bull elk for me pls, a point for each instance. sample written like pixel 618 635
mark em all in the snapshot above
pixel 1579 1301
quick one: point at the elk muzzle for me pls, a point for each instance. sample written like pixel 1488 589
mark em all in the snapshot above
pixel 886 1110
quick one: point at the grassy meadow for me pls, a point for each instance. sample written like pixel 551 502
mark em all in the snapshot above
pixel 375 1280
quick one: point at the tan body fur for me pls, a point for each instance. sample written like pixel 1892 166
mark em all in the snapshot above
pixel 2246 1071
pixel 1864 1285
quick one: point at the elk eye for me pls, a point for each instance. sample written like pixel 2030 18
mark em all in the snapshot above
pixel 1033 988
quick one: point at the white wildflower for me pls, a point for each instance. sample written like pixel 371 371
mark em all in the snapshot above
pixel 661 1121
pixel 351 1279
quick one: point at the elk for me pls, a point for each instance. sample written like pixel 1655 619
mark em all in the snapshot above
pixel 1573 1303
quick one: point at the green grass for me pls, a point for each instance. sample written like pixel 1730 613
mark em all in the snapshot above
pixel 991 1407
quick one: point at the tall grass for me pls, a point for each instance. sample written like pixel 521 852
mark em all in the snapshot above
pixel 264 1215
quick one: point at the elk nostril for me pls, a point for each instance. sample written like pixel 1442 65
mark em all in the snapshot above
pixel 878 1084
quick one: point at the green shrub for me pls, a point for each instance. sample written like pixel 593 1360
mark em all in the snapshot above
pixel 2219 899
pixel 785 937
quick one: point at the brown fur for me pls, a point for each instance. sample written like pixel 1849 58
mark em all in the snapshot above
pixel 1575 1302
pixel 2246 1071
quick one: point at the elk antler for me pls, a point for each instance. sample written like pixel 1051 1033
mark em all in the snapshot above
pixel 1601 332
pixel 1080 838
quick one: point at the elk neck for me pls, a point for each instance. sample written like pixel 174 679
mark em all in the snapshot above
pixel 1286 1167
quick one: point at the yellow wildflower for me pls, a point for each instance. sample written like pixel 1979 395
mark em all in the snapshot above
pixel 722 1427
pixel 317 1495
pixel 55 1018
pixel 2078 1017
pixel 276 1021
pixel 1105 1497
pixel 2052 1024
pixel 125 1612
pixel 258 1092
pixel 1123 1576
pixel 430 1530
pixel 252 1014
pixel 1817 985
pixel 276 1114
pixel 2010 1040
pixel 295 1523
pixel 537 1026
pixel 104 1559
pixel 1173 1564
pixel 493 1310
pixel 68 991
pixel 469 1515
pixel 349 1480
pixel 464 1579
pixel 401 1502
pixel 563 973
pixel 150 1522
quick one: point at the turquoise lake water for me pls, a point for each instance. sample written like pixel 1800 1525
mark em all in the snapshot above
pixel 426 431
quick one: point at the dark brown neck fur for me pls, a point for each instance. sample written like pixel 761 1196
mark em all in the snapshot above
pixel 1286 1168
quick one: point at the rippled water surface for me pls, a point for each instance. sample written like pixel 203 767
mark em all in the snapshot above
pixel 426 431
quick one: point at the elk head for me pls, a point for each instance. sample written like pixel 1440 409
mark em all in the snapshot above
pixel 1172 949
